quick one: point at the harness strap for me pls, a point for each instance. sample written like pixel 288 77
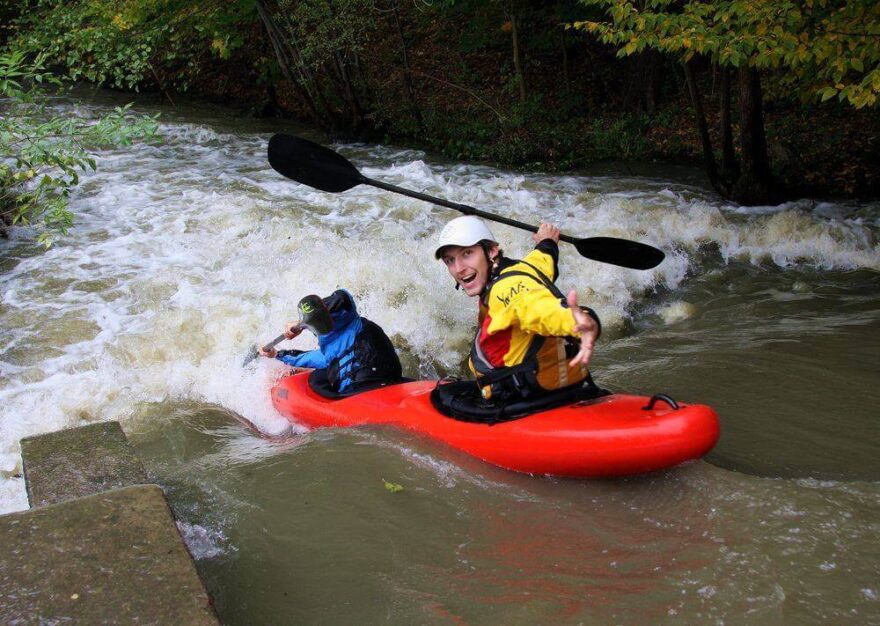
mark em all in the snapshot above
pixel 500 373
pixel 490 375
pixel 542 277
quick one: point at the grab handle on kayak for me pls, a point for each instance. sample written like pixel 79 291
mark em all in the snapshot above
pixel 660 396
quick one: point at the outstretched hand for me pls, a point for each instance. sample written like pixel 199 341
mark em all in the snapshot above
pixel 586 327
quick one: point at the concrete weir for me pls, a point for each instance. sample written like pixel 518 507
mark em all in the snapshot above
pixel 101 546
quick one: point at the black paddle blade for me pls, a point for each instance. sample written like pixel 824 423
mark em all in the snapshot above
pixel 312 164
pixel 622 252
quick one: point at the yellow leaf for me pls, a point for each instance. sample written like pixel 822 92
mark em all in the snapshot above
pixel 392 487
pixel 219 45
pixel 120 22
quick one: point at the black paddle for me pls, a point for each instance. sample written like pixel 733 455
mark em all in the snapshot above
pixel 314 165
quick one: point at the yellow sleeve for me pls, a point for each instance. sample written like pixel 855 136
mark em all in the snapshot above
pixel 540 312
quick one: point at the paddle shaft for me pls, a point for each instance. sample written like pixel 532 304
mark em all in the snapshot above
pixel 274 342
pixel 462 208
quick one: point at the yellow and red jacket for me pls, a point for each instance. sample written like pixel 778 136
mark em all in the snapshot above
pixel 525 337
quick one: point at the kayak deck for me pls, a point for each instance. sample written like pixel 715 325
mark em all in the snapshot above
pixel 608 436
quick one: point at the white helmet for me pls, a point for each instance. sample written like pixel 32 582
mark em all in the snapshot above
pixel 464 231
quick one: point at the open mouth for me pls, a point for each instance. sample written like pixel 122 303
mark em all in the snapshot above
pixel 467 280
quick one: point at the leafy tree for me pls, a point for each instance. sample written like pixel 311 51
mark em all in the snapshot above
pixel 526 24
pixel 822 48
pixel 319 47
pixel 126 43
pixel 41 155
pixel 828 47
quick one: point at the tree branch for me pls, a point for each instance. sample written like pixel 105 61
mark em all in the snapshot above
pixel 472 94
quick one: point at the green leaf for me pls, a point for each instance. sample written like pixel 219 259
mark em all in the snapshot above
pixel 392 487
pixel 828 93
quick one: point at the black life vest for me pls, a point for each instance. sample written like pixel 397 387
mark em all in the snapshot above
pixel 371 359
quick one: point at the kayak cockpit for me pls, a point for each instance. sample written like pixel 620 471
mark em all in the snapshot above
pixel 320 384
pixel 461 400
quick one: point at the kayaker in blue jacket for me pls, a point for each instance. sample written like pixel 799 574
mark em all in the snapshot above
pixel 353 353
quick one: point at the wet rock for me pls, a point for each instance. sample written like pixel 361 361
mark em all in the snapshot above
pixel 110 558
pixel 78 462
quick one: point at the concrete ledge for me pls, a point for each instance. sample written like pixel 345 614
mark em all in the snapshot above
pixel 78 462
pixel 109 558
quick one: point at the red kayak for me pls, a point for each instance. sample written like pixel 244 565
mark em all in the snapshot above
pixel 611 435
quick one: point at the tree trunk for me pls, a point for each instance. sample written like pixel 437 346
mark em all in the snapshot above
pixel 285 56
pixel 565 71
pixel 642 84
pixel 407 73
pixel 352 104
pixel 703 128
pixel 517 56
pixel 307 78
pixel 729 164
pixel 654 69
pixel 755 184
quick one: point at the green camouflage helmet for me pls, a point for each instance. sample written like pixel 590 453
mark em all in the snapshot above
pixel 314 315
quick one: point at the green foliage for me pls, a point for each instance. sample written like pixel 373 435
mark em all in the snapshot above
pixel 547 143
pixel 122 43
pixel 41 156
pixel 322 44
pixel 321 29
pixel 622 138
pixel 827 48
pixel 459 136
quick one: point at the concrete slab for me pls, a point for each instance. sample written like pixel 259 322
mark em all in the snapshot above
pixel 79 462
pixel 110 558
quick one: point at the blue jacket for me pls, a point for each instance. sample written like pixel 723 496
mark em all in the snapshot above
pixel 356 352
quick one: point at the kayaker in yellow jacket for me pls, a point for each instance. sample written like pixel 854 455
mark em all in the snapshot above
pixel 530 339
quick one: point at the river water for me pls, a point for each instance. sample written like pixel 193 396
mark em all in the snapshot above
pixel 187 252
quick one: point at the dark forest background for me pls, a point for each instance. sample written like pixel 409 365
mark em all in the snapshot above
pixel 775 100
